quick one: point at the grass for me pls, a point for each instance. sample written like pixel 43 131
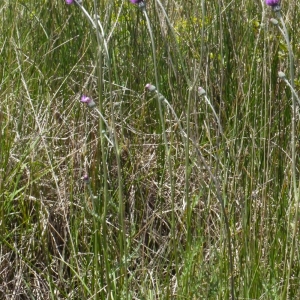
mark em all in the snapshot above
pixel 150 221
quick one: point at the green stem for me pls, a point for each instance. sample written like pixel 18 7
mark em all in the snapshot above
pixel 122 235
pixel 176 44
pixel 162 121
pixel 287 267
pixel 104 166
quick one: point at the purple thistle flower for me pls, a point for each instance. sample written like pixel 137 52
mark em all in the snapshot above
pixel 136 1
pixel 88 101
pixel 85 99
pixel 69 1
pixel 273 2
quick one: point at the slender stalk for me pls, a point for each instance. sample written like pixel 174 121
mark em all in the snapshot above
pixel 292 90
pixel 122 236
pixel 192 84
pixel 284 32
pixel 86 14
pixel 175 41
pixel 215 114
pixel 106 195
pixel 292 72
pixel 162 123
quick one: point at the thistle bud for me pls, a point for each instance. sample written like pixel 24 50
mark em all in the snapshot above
pixel 150 87
pixel 201 91
pixel 281 75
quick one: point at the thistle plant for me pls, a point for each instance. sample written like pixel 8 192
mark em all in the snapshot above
pixel 275 4
pixel 102 56
pixel 151 88
pixel 162 127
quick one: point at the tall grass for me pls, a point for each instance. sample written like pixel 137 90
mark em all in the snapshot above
pixel 130 208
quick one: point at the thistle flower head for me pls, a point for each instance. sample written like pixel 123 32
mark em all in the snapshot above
pixel 150 87
pixel 90 102
pixel 201 91
pixel 274 21
pixel 273 2
pixel 85 99
pixel 281 75
pixel 74 1
pixel 140 3
pixel 136 1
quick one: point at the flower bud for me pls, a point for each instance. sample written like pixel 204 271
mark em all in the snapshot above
pixel 281 75
pixel 86 179
pixel 274 21
pixel 150 87
pixel 201 91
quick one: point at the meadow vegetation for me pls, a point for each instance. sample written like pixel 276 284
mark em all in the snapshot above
pixel 162 194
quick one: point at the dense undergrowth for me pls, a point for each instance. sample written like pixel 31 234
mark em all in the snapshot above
pixel 147 222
